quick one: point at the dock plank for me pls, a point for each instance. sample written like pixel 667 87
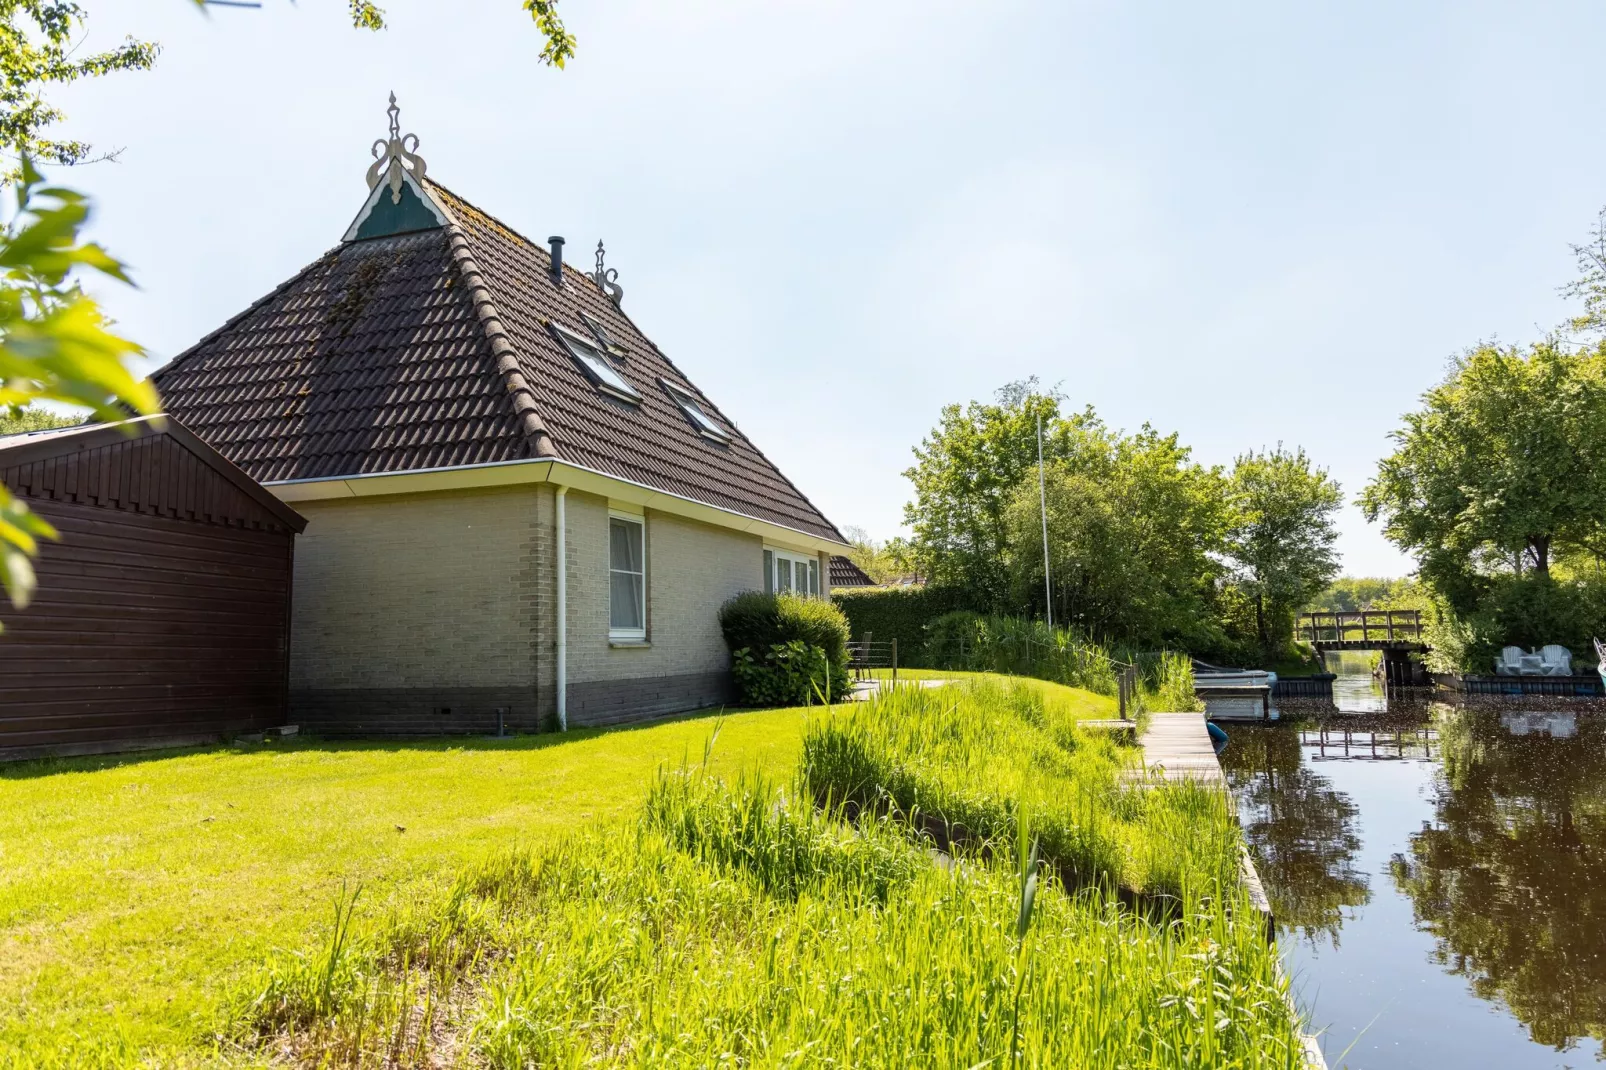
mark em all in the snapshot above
pixel 1177 747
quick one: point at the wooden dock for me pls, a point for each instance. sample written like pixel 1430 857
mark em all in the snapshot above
pixel 1177 747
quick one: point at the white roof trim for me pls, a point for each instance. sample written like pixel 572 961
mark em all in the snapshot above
pixel 436 208
pixel 542 470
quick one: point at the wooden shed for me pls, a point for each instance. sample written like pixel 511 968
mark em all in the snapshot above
pixel 162 615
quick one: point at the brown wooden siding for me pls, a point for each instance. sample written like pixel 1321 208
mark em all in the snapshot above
pixel 162 614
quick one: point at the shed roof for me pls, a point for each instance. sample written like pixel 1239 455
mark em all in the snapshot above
pixel 427 346
pixel 148 464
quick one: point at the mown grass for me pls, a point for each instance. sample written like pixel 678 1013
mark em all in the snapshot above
pixel 135 890
pixel 738 921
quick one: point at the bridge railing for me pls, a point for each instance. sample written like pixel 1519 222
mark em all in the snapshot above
pixel 1367 626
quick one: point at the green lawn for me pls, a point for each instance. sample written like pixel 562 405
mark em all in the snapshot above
pixel 135 890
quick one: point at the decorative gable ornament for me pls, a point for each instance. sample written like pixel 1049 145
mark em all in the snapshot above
pixel 393 156
pixel 399 201
pixel 607 279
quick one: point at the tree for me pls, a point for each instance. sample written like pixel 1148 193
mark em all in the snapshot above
pixel 1283 540
pixel 964 476
pixel 31 418
pixel 1132 524
pixel 883 562
pixel 54 344
pixel 37 52
pixel 1502 467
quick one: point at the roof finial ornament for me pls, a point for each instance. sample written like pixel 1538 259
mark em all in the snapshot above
pixel 607 279
pixel 393 155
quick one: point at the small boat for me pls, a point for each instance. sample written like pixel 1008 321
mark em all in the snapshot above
pixel 1218 736
pixel 1600 661
pixel 1233 694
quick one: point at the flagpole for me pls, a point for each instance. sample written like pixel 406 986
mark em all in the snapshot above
pixel 1042 498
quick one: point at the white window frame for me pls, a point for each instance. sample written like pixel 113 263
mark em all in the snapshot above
pixel 627 635
pixel 608 341
pixel 693 409
pixel 773 559
pixel 589 354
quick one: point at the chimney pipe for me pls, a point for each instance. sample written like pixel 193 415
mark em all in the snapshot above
pixel 557 259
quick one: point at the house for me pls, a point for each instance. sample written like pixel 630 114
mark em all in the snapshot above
pixel 844 573
pixel 519 511
pixel 162 615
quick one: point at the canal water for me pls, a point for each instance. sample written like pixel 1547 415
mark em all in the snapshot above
pixel 1438 874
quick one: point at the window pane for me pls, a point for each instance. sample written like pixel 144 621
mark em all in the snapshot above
pixel 624 550
pixel 769 571
pixel 814 578
pixel 625 602
pixel 783 570
pixel 598 367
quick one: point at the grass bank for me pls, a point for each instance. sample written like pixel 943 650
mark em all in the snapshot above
pixel 137 892
pixel 766 920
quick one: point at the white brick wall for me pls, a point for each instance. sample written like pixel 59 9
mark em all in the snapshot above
pixel 419 591
pixel 692 569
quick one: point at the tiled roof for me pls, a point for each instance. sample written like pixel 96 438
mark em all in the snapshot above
pixel 433 349
pixel 844 573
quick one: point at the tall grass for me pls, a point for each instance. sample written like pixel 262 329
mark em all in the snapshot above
pixel 1020 647
pixel 740 924
pixel 963 761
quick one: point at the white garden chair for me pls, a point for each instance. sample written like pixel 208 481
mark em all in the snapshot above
pixel 1557 660
pixel 1509 663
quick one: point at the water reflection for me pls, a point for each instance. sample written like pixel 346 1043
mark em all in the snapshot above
pixel 1302 832
pixel 1355 689
pixel 1510 878
pixel 1438 876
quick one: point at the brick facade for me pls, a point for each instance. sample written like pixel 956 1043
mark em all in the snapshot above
pixel 692 569
pixel 408 606
pixel 434 613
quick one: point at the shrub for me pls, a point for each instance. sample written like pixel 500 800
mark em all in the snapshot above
pixel 783 646
pixel 900 613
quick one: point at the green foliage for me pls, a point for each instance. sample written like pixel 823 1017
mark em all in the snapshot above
pixel 1503 466
pixel 37 50
pixel 965 474
pixel 785 645
pixel 558 43
pixel 793 673
pixel 883 562
pixel 54 344
pixel 1351 594
pixel 1283 541
pixel 32 418
pixel 900 613
pixel 1133 526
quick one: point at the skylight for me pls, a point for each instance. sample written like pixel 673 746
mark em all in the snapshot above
pixel 700 419
pixel 603 336
pixel 597 367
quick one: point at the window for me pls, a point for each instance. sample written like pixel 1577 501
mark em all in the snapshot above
pixel 694 412
pixel 603 336
pixel 596 366
pixel 627 579
pixel 787 571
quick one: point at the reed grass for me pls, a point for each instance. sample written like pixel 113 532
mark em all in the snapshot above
pixel 1018 646
pixel 757 923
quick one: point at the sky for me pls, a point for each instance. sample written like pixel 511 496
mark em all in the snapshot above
pixel 1250 223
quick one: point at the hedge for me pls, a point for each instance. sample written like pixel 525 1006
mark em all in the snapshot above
pixel 900 613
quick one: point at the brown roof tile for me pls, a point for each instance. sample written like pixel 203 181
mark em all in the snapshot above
pixel 434 349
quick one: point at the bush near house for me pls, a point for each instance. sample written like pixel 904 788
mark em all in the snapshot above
pixel 784 646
